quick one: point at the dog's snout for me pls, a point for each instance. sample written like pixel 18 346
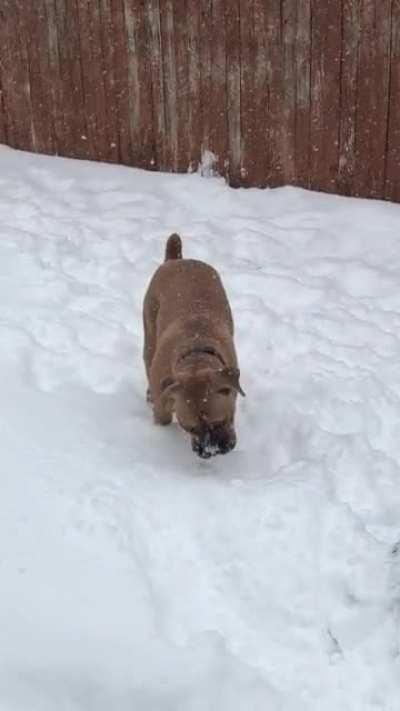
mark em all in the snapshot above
pixel 214 441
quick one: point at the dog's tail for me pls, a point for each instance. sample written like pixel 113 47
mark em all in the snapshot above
pixel 173 249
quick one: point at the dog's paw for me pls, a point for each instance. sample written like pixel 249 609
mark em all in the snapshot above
pixel 162 419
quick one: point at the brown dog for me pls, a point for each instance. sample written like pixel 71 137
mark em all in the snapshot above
pixel 189 352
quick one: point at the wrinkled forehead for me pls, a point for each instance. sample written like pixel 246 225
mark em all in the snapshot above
pixel 196 390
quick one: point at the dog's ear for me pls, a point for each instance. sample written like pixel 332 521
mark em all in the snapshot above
pixel 231 376
pixel 169 387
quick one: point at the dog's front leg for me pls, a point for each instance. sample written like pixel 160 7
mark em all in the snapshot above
pixel 162 413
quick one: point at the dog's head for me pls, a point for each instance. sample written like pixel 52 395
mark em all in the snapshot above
pixel 204 404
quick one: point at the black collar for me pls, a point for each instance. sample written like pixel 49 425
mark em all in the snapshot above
pixel 207 350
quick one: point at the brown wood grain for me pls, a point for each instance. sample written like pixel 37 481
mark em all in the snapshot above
pixel 372 98
pixel 34 31
pixel 348 90
pixel 261 153
pixel 108 47
pixel 289 90
pixel 233 74
pixel 181 46
pixel 205 73
pixel 194 128
pixel 92 73
pixel 273 33
pixel 248 118
pixel 218 134
pixel 170 83
pixel 15 76
pixel 303 98
pixel 326 29
pixel 3 128
pixel 157 81
pixel 140 110
pixel 281 91
pixel 392 166
pixel 73 140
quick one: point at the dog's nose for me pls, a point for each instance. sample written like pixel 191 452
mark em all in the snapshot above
pixel 214 442
pixel 202 446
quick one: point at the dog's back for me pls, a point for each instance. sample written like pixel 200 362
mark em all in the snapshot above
pixel 183 290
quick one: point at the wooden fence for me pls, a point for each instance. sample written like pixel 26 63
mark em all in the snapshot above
pixel 305 92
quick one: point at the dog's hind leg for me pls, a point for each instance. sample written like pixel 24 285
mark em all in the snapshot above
pixel 150 310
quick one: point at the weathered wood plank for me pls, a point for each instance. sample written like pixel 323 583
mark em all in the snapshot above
pixel 261 153
pixel 3 128
pixel 289 85
pixel 73 139
pixel 109 58
pixel 120 70
pixel 248 117
pixel 218 138
pixel 15 76
pixel 325 94
pixel 157 81
pixel 34 30
pixel 372 98
pixel 193 12
pixel 205 73
pixel 54 75
pixel 233 69
pixel 92 71
pixel 348 91
pixel 170 83
pixel 303 79
pixel 275 92
pixel 392 168
pixel 140 113
pixel 181 42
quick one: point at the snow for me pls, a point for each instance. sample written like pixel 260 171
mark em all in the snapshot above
pixel 134 575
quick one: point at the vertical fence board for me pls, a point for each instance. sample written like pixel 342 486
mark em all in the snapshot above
pixel 255 149
pixel 54 76
pixel 392 187
pixel 140 116
pixel 289 89
pixel 157 80
pixel 34 31
pixel 275 101
pixel 303 76
pixel 109 58
pixel 218 89
pixel 181 33
pixel 325 93
pixel 92 72
pixel 170 93
pixel 73 138
pixel 205 72
pixel 248 58
pixel 89 76
pixel 193 12
pixel 348 88
pixel 15 76
pixel 232 18
pixel 261 154
pixel 3 128
pixel 372 98
pixel 121 81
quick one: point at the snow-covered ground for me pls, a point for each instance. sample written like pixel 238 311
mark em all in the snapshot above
pixel 134 576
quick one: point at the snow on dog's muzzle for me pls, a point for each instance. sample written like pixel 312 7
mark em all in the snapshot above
pixel 214 441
